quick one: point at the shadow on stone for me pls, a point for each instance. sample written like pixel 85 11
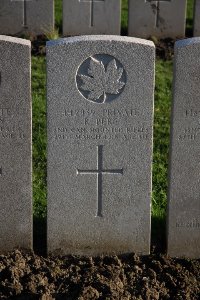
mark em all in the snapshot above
pixel 158 234
pixel 124 31
pixel 189 28
pixel 40 236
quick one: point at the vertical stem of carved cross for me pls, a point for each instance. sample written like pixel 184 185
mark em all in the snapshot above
pixel 92 13
pixel 25 14
pixel 99 171
pixel 99 180
pixel 0 171
pixel 157 13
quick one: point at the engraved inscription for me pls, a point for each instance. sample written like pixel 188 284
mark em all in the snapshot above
pixel 103 133
pixel 6 116
pixel 189 224
pixel 101 78
pixel 4 113
pixel 110 112
pixel 192 113
pixel 156 8
pixel 188 219
pixel 106 124
pixel 191 130
pixel 9 127
pixel 100 172
pixel 92 2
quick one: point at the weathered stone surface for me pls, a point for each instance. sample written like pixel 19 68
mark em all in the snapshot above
pixel 100 106
pixel 26 16
pixel 184 187
pixel 91 17
pixel 15 145
pixel 164 18
pixel 197 18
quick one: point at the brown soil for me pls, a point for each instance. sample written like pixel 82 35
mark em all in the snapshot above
pixel 164 48
pixel 28 276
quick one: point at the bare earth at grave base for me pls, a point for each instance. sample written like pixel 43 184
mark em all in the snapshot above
pixel 27 276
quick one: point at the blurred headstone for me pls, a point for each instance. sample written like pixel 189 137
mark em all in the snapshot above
pixel 197 18
pixel 15 145
pixel 184 169
pixel 91 17
pixel 19 17
pixel 161 18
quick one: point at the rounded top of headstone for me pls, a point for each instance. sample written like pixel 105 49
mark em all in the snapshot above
pixel 92 38
pixel 187 42
pixel 15 40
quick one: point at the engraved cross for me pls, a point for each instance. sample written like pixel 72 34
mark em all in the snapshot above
pixel 157 16
pixel 100 172
pixel 24 24
pixel 92 2
pixel 0 171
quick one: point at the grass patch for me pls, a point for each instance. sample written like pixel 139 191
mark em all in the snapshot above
pixel 124 18
pixel 58 15
pixel 189 20
pixel 39 135
pixel 161 136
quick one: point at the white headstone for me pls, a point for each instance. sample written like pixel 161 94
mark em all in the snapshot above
pixel 100 112
pixel 26 16
pixel 161 18
pixel 15 145
pixel 197 18
pixel 184 170
pixel 91 17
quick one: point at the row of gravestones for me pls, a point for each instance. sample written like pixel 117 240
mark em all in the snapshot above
pixel 161 18
pixel 100 92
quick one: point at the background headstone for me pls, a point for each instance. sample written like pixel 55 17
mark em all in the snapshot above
pixel 100 107
pixel 91 17
pixel 15 145
pixel 162 18
pixel 197 18
pixel 184 187
pixel 26 16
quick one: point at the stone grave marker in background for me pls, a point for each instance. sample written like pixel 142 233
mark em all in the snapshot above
pixel 161 18
pixel 197 18
pixel 91 17
pixel 184 187
pixel 15 145
pixel 26 16
pixel 100 112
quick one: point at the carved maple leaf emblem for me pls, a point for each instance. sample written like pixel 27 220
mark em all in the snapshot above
pixel 101 80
